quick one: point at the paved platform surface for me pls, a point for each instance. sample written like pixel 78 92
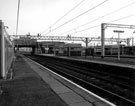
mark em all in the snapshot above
pixel 27 88
pixel 33 86
pixel 72 96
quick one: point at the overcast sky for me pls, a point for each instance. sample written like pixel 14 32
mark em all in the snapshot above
pixel 37 16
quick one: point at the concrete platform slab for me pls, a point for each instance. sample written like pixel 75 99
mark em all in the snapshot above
pixel 61 90
pixel 71 98
pixel 82 104
pixel 27 88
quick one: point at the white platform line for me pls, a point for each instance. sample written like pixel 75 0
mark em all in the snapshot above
pixel 91 93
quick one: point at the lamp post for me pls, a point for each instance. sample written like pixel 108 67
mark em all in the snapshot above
pixel 118 31
pixel 18 9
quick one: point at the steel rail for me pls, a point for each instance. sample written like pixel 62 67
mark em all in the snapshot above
pixel 57 68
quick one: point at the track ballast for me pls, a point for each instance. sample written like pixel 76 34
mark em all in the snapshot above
pixel 116 88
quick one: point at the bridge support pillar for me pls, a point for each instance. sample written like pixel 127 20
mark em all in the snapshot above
pixel 54 50
pixel 17 49
pixel 86 43
pixel 33 50
pixel 86 50
pixel 69 51
pixel 81 51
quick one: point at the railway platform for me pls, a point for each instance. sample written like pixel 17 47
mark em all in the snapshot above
pixel 27 88
pixel 124 62
pixel 33 85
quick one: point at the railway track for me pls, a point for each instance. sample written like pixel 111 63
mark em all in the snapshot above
pixel 116 89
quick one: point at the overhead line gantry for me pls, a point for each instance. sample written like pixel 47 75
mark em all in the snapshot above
pixel 103 39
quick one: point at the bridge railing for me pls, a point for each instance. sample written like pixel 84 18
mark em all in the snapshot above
pixel 68 38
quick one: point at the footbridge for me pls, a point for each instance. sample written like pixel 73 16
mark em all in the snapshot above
pixel 32 39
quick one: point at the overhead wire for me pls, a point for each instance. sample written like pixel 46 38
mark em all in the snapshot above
pixel 110 13
pixel 78 16
pixel 64 15
pixel 68 12
pixel 100 24
pixel 122 18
